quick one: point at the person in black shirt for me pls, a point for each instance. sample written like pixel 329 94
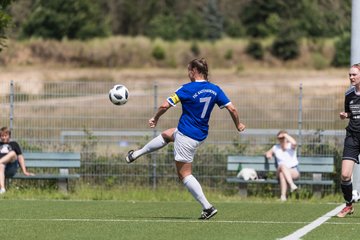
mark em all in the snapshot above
pixel 10 158
pixel 352 139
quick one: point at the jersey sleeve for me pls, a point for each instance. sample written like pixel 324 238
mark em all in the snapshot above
pixel 223 100
pixel 173 99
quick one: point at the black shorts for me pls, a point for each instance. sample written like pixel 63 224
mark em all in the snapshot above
pixel 11 169
pixel 351 146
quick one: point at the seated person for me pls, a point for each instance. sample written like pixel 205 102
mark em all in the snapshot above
pixel 286 162
pixel 10 158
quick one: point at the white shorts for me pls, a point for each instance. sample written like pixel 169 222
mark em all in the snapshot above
pixel 184 147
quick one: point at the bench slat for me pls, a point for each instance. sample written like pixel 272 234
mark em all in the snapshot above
pixel 46 176
pixel 274 181
pixel 52 164
pixel 306 164
pixel 51 155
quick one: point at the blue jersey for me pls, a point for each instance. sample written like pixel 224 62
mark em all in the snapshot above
pixel 198 100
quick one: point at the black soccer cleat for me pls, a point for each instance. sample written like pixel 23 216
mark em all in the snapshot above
pixel 129 158
pixel 208 213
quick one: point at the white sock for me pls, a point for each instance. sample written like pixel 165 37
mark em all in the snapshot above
pixel 195 189
pixel 153 145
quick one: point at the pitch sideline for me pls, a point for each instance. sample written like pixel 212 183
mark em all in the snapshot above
pixel 311 226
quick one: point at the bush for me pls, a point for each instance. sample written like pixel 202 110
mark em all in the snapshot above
pixel 342 51
pixel 158 53
pixel 255 50
pixel 285 47
pixel 228 54
pixel 319 61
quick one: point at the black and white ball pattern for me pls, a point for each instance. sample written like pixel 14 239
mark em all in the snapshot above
pixel 119 94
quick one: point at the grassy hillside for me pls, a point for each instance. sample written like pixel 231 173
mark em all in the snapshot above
pixel 141 52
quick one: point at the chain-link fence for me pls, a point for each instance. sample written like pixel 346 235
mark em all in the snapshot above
pixel 78 116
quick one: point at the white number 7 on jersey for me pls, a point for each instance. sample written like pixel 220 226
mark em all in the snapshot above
pixel 206 100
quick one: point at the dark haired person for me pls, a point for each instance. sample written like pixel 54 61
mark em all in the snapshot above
pixel 198 99
pixel 10 158
pixel 352 140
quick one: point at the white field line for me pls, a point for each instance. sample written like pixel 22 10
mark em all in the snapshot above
pixel 160 221
pixel 306 229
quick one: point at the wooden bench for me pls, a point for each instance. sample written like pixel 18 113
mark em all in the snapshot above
pixel 51 165
pixel 314 171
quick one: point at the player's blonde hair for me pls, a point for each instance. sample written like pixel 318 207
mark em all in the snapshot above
pixel 356 65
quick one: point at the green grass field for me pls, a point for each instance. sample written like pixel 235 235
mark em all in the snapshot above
pixel 76 219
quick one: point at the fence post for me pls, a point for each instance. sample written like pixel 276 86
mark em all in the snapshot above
pixel 355 58
pixel 300 119
pixel 153 154
pixel 11 104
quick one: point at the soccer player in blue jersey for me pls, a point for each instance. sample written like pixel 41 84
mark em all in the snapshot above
pixel 198 99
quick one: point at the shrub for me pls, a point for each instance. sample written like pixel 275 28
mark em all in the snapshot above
pixel 319 61
pixel 228 54
pixel 285 47
pixel 255 50
pixel 158 53
pixel 342 51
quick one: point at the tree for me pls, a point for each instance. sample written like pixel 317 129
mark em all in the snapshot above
pixel 56 19
pixel 213 20
pixel 5 20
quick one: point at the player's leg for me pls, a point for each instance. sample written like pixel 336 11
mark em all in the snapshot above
pixel 347 167
pixel 155 144
pixel 283 186
pixel 185 148
pixel 11 156
pixel 349 158
pixel 289 179
pixel 194 187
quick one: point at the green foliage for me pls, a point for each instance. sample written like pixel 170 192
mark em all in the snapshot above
pixel 213 20
pixel 255 50
pixel 163 26
pixel 229 54
pixel 207 19
pixel 25 146
pixel 192 26
pixel 261 17
pixel 5 21
pixel 233 28
pixel 342 51
pixel 88 146
pixel 285 47
pixel 319 61
pixel 78 19
pixel 158 53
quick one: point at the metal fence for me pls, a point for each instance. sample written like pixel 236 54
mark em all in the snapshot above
pixel 78 116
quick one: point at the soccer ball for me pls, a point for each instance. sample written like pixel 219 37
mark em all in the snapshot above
pixel 355 196
pixel 119 94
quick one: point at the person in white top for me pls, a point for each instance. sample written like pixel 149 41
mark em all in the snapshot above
pixel 287 162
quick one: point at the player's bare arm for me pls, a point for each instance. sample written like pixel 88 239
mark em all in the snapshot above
pixel 235 117
pixel 161 110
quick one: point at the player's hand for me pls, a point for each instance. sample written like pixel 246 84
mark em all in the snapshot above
pixel 343 115
pixel 241 127
pixel 152 122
